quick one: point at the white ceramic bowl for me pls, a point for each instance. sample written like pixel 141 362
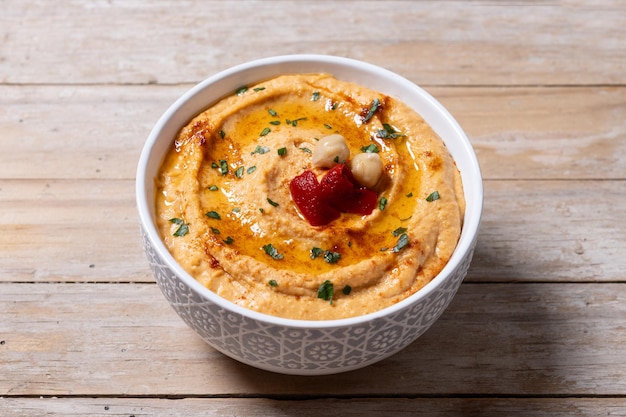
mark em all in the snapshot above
pixel 299 346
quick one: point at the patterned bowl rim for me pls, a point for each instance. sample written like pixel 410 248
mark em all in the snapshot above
pixel 226 81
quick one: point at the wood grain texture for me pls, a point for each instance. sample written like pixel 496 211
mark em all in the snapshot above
pixel 552 231
pixel 259 407
pixel 494 340
pixel 70 230
pixel 537 329
pixel 74 132
pixel 543 133
pixel 462 43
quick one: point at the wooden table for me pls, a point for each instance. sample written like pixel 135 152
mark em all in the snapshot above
pixel 538 328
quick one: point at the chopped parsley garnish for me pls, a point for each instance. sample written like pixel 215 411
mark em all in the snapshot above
pixel 329 256
pixel 215 230
pixel 183 228
pixel 399 231
pixel 272 112
pixel 347 290
pixel 273 203
pixel 213 214
pixel 222 134
pixel 433 196
pixel 315 252
pixel 273 283
pixel 326 291
pixel 275 122
pixel 214 165
pixel 260 150
pixel 265 131
pixel 327 126
pixel 388 132
pixel 332 257
pixel 259 88
pixel 315 96
pixel 271 251
pixel 382 203
pixel 228 240
pixel 373 108
pixel 409 195
pixel 213 188
pixel 403 241
pixel 305 149
pixel 251 169
pixel 223 167
pixel 371 148
pixel 241 90
pixel 239 172
pixel 294 122
pixel 282 151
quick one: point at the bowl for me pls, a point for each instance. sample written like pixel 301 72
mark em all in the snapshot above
pixel 299 346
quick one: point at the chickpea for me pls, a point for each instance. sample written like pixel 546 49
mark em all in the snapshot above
pixel 329 151
pixel 367 168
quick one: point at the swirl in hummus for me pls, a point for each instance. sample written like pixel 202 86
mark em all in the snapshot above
pixel 225 211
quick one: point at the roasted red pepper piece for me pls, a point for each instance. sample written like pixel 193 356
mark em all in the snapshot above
pixel 307 194
pixel 338 192
pixel 342 192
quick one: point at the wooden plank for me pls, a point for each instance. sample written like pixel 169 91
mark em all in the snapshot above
pixel 552 231
pixel 531 133
pixel 259 407
pixel 461 43
pixel 543 133
pixel 503 340
pixel 77 131
pixel 57 230
pixel 87 231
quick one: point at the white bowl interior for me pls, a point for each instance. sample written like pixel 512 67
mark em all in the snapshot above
pixel 226 82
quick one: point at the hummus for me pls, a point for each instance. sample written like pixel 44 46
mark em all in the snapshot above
pixel 225 211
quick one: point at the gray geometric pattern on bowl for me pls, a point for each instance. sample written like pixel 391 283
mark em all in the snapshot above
pixel 302 351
